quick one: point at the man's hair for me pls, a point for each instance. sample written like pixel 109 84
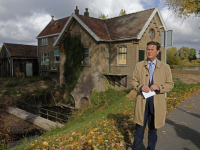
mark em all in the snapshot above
pixel 154 43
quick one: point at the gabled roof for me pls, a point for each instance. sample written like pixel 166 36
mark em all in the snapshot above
pixel 54 27
pixel 97 26
pixel 20 50
pixel 127 27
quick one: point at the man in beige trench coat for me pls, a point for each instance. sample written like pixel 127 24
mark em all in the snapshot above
pixel 150 75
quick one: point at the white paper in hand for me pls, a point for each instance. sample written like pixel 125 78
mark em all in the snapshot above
pixel 147 95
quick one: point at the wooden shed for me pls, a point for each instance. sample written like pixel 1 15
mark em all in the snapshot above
pixel 18 60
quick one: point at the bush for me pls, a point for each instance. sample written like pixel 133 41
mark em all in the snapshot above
pixel 174 61
pixel 196 61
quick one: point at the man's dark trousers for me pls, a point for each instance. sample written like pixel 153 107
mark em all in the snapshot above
pixel 152 133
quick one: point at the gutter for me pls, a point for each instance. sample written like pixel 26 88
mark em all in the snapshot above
pixel 133 38
pixel 110 57
pixel 45 36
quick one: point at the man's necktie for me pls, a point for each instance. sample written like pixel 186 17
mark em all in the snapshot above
pixel 151 70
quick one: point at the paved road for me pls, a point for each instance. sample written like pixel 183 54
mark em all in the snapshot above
pixel 34 119
pixel 182 128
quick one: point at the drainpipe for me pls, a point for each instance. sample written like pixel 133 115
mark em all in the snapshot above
pixel 12 67
pixel 110 57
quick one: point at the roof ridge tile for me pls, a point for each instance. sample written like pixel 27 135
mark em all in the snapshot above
pixel 131 13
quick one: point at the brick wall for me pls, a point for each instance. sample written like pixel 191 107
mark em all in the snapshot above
pixel 92 76
pixel 50 49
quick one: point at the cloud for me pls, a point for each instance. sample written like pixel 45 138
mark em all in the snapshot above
pixel 23 29
pixel 22 21
pixel 112 8
pixel 185 32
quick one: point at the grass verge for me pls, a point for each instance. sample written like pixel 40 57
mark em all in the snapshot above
pixel 106 123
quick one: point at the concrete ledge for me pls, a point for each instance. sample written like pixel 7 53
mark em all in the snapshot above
pixel 181 71
pixel 34 119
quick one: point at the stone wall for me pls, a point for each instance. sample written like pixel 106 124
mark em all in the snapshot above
pixel 92 75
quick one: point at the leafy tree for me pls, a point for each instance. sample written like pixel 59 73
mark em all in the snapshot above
pixel 0 49
pixel 184 8
pixel 192 54
pixel 172 57
pixel 122 12
pixel 172 51
pixel 103 17
pixel 183 52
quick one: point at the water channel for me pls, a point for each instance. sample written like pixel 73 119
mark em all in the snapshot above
pixel 191 68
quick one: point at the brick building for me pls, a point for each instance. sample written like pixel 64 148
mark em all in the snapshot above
pixel 113 47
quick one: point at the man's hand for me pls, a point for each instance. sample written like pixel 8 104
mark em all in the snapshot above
pixel 154 87
pixel 145 88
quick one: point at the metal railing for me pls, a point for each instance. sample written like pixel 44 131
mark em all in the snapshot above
pixel 45 113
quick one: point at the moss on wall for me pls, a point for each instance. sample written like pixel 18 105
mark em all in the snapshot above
pixel 73 63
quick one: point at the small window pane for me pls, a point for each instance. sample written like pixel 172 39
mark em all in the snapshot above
pixel 86 51
pixel 44 58
pixel 55 37
pixel 86 56
pixel 122 55
pixel 159 56
pixel 141 55
pixel 56 53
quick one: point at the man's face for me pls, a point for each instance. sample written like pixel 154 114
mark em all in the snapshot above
pixel 152 52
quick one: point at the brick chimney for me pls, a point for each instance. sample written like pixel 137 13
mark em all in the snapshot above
pixel 52 20
pixel 76 11
pixel 86 13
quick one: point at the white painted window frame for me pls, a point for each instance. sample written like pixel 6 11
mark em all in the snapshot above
pixel 44 41
pixel 43 58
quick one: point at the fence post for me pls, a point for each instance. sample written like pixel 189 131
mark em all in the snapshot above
pixel 47 114
pixel 39 111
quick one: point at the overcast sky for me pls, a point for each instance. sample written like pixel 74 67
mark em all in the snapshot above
pixel 22 20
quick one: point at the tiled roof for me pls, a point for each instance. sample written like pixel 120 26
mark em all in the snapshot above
pixel 126 26
pixel 129 25
pixel 54 27
pixel 121 27
pixel 20 50
pixel 96 25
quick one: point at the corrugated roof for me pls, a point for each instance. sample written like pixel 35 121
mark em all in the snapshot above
pixel 54 27
pixel 21 50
